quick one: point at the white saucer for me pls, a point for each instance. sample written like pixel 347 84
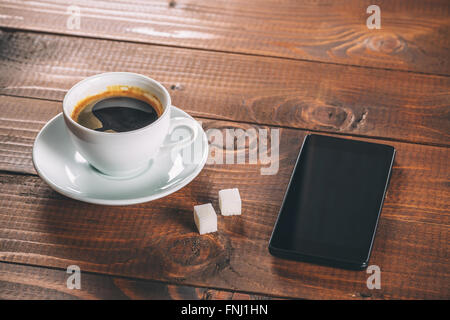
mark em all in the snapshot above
pixel 67 172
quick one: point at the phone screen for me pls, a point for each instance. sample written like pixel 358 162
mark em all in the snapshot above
pixel 331 208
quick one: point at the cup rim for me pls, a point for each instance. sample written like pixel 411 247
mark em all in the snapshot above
pixel 82 82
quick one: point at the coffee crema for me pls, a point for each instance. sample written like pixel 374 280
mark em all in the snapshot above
pixel 118 109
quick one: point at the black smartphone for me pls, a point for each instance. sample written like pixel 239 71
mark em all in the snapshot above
pixel 330 211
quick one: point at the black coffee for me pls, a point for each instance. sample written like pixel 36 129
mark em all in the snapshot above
pixel 116 114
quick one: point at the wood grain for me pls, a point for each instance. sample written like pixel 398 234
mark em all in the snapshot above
pixel 414 34
pixel 313 96
pixel 158 241
pixel 285 65
pixel 21 282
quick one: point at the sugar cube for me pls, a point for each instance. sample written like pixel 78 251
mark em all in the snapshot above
pixel 230 202
pixel 205 218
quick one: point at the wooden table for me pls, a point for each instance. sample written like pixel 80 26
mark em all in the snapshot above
pixel 299 66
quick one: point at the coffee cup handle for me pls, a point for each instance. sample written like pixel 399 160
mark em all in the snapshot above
pixel 181 122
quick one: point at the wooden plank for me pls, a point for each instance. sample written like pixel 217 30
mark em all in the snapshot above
pixel 21 282
pixel 314 96
pixel 158 240
pixel 414 34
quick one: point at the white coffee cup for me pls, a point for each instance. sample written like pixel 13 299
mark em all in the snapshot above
pixel 122 154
